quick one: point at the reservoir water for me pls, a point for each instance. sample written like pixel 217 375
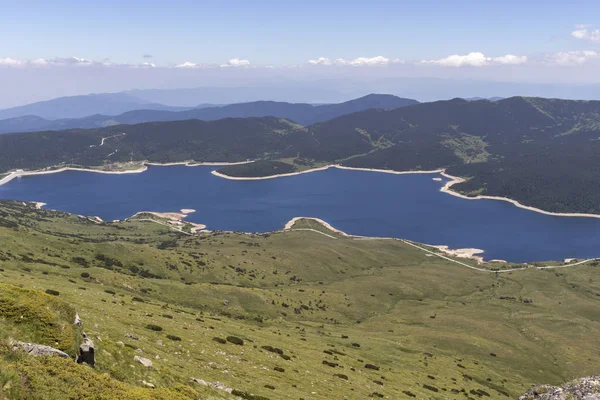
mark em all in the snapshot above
pixel 357 202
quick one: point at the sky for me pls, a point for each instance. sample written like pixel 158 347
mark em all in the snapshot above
pixel 103 46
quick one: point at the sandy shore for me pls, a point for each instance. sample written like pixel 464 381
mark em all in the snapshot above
pixel 175 218
pixel 260 178
pixel 144 167
pixel 291 223
pixel 455 179
pixel 20 173
pixel 462 253
pixel 195 164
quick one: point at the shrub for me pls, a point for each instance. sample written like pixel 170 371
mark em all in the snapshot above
pixel 154 328
pixel 85 275
pixel 174 338
pixel 247 396
pixel 235 340
pixel 52 292
pixel 272 349
pixel 110 291
pixel 219 340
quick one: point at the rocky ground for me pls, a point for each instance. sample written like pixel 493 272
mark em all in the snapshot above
pixel 579 389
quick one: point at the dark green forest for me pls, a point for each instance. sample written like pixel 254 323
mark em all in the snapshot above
pixel 540 152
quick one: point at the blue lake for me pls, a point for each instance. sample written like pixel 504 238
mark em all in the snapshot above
pixel 357 202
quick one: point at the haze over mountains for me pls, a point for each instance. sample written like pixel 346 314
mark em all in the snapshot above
pixel 304 114
pixel 81 106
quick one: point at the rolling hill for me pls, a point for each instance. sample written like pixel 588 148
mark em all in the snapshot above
pixel 304 114
pixel 299 313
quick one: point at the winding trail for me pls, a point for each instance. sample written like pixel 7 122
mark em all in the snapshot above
pixel 108 137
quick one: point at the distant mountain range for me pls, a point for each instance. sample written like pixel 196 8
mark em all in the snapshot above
pixel 484 98
pixel 82 106
pixel 304 114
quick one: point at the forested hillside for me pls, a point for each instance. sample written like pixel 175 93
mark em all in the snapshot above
pixel 540 152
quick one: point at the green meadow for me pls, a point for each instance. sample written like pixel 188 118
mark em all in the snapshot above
pixel 287 315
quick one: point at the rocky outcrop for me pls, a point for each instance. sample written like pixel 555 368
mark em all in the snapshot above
pixel 37 349
pixel 216 385
pixel 579 389
pixel 144 361
pixel 86 352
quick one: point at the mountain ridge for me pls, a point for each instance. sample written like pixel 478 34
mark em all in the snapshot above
pixel 82 106
pixel 302 113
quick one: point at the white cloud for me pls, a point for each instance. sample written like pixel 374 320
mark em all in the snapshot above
pixel 362 61
pixel 474 59
pixel 187 64
pixel 11 62
pixel 356 62
pixel 510 59
pixel 70 61
pixel 59 61
pixel 583 33
pixel 236 62
pixel 320 61
pixel 39 61
pixel 146 65
pixel 571 57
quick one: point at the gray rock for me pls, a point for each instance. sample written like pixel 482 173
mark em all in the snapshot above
pixel 216 385
pixel 37 349
pixel 86 352
pixel 200 381
pixel 77 320
pixel 148 384
pixel 132 337
pixel 144 361
pixel 579 389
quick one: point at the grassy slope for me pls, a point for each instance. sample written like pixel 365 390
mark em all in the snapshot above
pixel 421 319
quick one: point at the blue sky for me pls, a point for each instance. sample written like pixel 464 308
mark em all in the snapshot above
pixel 66 47
pixel 288 32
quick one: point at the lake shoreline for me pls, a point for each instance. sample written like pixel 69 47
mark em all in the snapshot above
pixel 143 168
pixel 445 189
pixel 466 253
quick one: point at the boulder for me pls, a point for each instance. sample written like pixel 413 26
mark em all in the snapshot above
pixel 86 352
pixel 144 361
pixel 37 349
